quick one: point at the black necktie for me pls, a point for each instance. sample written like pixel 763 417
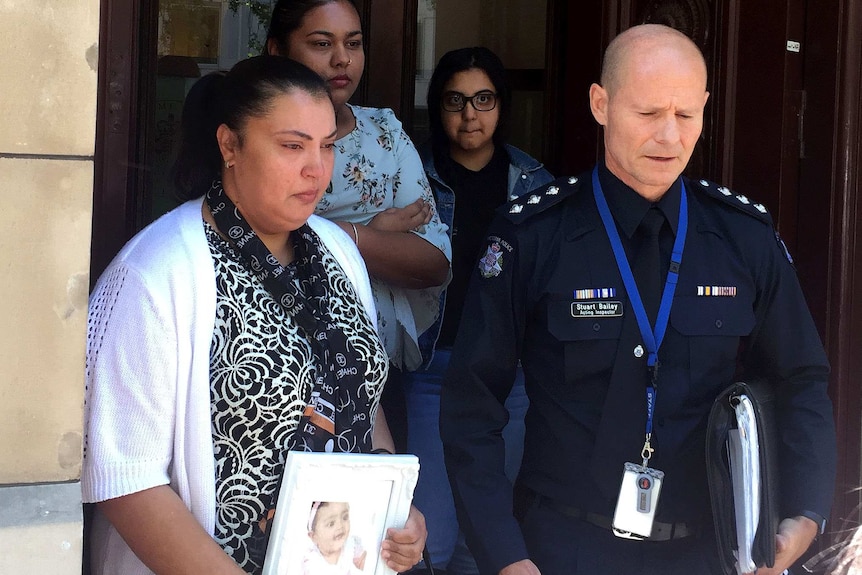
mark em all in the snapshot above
pixel 648 266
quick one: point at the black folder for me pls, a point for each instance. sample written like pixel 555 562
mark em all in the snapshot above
pixel 722 424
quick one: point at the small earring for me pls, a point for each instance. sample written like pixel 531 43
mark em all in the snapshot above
pixel 227 164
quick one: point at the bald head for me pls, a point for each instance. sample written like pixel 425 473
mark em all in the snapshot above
pixel 640 44
pixel 650 104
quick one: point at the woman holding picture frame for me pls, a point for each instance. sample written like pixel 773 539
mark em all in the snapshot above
pixel 232 330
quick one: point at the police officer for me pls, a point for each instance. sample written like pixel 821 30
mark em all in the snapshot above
pixel 632 296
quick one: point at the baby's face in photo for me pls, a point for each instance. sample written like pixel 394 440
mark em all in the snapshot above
pixel 331 527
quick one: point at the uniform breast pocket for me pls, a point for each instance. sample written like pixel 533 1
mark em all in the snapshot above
pixel 589 334
pixel 713 327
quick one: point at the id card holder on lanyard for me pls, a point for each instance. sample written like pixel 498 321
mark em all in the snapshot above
pixel 641 485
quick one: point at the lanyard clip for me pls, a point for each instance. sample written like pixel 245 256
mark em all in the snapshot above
pixel 647 450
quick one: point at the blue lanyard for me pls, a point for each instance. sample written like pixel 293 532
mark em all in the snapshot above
pixel 652 337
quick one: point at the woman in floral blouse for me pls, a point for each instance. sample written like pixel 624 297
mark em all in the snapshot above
pixel 379 193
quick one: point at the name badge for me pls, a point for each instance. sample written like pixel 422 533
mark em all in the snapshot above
pixel 594 309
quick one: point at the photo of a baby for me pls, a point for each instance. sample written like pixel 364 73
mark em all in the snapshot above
pixel 333 511
pixel 332 550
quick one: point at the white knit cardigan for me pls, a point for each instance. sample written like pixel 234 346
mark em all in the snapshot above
pixel 147 411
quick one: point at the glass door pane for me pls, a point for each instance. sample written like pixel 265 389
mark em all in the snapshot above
pixel 515 30
pixel 190 28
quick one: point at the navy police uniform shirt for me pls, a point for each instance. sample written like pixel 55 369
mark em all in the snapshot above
pixel 547 292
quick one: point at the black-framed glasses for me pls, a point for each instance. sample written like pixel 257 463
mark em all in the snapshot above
pixel 481 101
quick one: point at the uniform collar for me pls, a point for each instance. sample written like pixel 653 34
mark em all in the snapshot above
pixel 628 207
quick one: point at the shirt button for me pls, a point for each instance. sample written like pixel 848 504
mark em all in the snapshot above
pixel 523 176
pixel 596 327
pixel 639 351
pixel 718 323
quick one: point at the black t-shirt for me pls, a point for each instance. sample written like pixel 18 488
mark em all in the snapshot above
pixel 477 195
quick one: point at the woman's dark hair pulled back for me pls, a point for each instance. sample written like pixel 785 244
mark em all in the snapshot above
pixel 287 16
pixel 459 60
pixel 246 91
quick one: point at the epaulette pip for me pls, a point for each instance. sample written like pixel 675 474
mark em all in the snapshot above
pixel 731 198
pixel 540 199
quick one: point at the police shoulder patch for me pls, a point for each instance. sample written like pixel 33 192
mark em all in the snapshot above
pixel 540 199
pixel 491 263
pixel 496 256
pixel 738 201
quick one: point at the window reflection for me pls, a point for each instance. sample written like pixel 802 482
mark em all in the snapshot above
pixel 190 28
pixel 195 37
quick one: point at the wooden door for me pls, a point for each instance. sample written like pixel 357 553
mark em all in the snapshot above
pixel 390 59
pixel 576 38
pixel 768 109
pixel 829 246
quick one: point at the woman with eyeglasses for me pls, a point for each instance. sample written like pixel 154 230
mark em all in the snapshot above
pixel 472 171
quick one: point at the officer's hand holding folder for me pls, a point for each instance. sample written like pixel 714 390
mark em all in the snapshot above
pixel 742 471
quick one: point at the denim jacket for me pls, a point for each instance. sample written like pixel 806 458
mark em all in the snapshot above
pixel 525 174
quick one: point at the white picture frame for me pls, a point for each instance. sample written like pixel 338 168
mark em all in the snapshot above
pixel 377 491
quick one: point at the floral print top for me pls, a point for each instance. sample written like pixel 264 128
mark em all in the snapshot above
pixel 376 168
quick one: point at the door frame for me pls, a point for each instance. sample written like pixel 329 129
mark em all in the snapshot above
pixel 125 93
pixel 844 323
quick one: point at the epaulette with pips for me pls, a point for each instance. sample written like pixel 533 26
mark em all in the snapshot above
pixel 746 206
pixel 540 199
pixel 737 201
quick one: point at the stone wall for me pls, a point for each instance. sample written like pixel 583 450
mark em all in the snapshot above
pixel 47 135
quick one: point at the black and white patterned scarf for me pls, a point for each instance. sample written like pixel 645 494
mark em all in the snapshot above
pixel 333 419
